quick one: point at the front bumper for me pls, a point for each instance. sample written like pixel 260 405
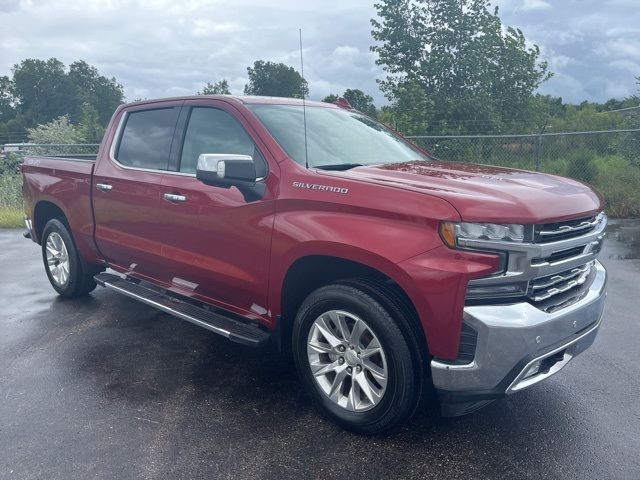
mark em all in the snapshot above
pixel 517 346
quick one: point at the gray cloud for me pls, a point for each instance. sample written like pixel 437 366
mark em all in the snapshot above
pixel 532 5
pixel 593 47
pixel 9 5
pixel 161 47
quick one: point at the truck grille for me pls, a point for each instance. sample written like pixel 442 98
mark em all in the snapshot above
pixel 552 232
pixel 546 287
pixel 551 272
pixel 564 297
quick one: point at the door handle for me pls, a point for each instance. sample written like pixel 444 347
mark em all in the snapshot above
pixel 104 187
pixel 174 197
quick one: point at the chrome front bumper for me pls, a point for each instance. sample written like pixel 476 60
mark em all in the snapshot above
pixel 512 340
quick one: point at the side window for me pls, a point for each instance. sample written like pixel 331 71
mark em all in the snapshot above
pixel 146 138
pixel 211 130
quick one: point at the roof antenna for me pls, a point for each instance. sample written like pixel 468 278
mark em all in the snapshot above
pixel 304 106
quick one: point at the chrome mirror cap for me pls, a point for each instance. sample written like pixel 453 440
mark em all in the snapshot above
pixel 217 162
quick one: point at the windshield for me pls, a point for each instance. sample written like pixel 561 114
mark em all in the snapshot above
pixel 334 136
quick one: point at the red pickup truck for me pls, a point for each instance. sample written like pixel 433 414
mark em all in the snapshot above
pixel 382 271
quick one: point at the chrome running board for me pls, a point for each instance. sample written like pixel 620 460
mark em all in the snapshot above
pixel 213 321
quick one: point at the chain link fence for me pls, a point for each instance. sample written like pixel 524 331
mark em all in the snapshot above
pixel 11 156
pixel 607 160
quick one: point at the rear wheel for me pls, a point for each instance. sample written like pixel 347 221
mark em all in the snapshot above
pixel 359 362
pixel 68 274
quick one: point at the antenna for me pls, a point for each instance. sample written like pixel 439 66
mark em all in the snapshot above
pixel 304 106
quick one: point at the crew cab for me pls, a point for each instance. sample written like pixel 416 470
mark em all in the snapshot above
pixel 309 226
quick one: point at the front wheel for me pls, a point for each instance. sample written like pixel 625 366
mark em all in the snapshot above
pixel 68 274
pixel 356 358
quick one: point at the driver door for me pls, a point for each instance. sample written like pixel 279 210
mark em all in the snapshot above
pixel 217 244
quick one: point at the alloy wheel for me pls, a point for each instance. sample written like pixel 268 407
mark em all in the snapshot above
pixel 347 360
pixel 57 259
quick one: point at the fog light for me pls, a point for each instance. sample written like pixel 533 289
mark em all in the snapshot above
pixel 495 291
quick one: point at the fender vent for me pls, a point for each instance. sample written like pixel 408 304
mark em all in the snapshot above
pixel 467 348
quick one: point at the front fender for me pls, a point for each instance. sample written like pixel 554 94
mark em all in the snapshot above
pixel 407 251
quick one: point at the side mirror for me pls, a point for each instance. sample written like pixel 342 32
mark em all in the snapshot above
pixel 223 170
pixel 228 170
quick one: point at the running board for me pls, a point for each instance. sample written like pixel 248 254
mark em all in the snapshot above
pixel 234 330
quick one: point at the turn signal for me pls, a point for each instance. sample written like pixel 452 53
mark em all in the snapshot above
pixel 448 234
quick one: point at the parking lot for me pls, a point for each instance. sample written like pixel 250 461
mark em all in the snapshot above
pixel 105 387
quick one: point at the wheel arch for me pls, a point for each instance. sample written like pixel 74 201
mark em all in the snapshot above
pixel 44 211
pixel 309 272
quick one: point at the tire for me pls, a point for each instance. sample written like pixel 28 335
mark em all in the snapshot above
pixel 68 274
pixel 391 387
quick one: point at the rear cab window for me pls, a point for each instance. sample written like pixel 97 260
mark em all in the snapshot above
pixel 146 138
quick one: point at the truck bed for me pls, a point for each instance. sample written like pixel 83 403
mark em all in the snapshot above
pixel 63 183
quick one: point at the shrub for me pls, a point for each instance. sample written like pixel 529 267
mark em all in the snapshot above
pixel 57 131
pixel 618 181
pixel 581 165
pixel 11 190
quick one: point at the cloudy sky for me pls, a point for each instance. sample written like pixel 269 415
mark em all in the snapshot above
pixel 159 48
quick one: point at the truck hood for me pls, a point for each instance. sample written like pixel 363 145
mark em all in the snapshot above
pixel 483 193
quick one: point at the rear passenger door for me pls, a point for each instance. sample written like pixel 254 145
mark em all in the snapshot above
pixel 217 243
pixel 127 202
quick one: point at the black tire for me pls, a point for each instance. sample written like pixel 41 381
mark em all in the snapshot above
pixel 80 277
pixel 391 325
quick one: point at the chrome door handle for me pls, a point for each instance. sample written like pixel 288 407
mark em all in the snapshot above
pixel 174 197
pixel 104 187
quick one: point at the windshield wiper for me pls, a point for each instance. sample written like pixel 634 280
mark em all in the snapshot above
pixel 338 166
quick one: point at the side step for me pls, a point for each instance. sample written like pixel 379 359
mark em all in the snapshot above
pixel 234 330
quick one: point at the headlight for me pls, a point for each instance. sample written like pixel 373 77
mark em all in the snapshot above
pixel 451 232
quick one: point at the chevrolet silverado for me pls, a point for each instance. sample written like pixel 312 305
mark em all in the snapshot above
pixel 380 270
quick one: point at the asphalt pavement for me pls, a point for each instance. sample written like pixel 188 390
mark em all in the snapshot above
pixel 105 387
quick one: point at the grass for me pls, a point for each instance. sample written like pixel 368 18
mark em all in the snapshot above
pixel 11 217
pixel 11 207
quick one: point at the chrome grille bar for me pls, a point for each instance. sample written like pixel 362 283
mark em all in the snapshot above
pixel 569 228
pixel 560 277
pixel 574 280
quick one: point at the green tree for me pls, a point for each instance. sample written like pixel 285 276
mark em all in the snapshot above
pixel 472 70
pixel 219 88
pixel 276 80
pixel 44 90
pixel 331 98
pixel 412 112
pixel 90 128
pixel 102 93
pixel 360 101
pixel 544 109
pixel 7 99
